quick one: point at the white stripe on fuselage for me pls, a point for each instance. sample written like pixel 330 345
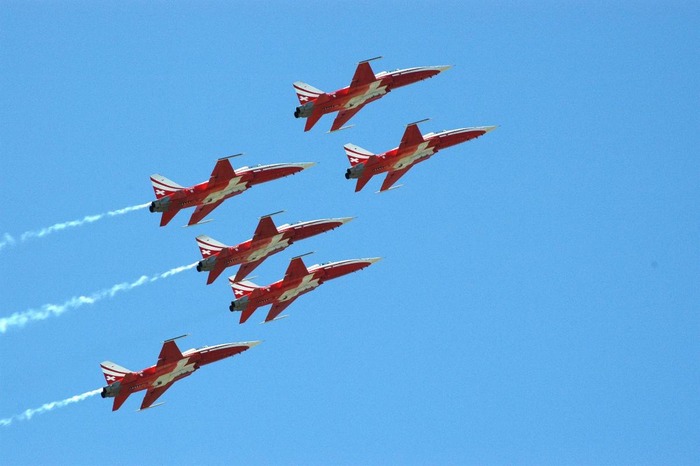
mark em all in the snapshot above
pixel 233 186
pixel 307 283
pixel 373 91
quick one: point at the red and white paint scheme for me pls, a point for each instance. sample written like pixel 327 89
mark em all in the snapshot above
pixel 267 240
pixel 172 366
pixel 297 281
pixel 364 88
pixel 223 184
pixel 414 148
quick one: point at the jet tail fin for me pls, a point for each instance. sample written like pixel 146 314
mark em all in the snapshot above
pixel 356 154
pixel 113 372
pixel 208 245
pixel 163 186
pixel 306 92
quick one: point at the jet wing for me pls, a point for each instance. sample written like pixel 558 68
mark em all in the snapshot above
pixel 411 137
pixel 344 116
pixel 169 353
pixel 393 177
pixel 202 211
pixel 363 75
pixel 246 269
pixel 222 171
pixel 153 394
pixel 277 309
pixel 266 229
pixel 296 270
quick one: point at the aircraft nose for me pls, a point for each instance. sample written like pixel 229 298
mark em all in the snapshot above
pixel 305 165
pixel 489 128
pixel 443 67
pixel 373 260
pixel 345 220
pixel 251 344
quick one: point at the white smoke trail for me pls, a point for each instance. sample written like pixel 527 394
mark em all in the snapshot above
pixel 7 240
pixel 46 407
pixel 73 223
pixel 20 319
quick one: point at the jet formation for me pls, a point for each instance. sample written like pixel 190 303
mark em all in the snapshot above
pixel 268 239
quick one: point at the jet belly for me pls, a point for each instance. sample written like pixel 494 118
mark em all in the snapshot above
pixel 181 369
pixel 277 243
pixel 422 151
pixel 375 90
pixel 308 283
pixel 234 185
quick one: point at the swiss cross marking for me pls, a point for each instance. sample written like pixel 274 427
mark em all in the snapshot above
pixel 160 192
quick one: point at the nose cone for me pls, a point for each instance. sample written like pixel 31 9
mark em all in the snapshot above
pixel 373 260
pixel 251 344
pixel 305 165
pixel 442 68
pixel 489 128
pixel 345 220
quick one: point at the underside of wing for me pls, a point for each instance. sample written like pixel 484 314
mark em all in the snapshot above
pixel 363 75
pixel 203 210
pixel 153 394
pixel 393 177
pixel 344 116
pixel 247 268
pixel 277 309
pixel 411 137
pixel 266 229
pixel 222 171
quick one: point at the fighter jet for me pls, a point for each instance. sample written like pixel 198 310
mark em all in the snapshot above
pixel 297 281
pixel 414 148
pixel 172 366
pixel 267 240
pixel 223 184
pixel 364 88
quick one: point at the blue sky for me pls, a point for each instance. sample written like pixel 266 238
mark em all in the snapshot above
pixel 538 301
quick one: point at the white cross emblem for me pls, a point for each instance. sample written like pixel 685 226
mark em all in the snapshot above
pixel 160 192
pixel 303 98
pixel 353 160
pixel 206 252
pixel 237 292
pixel 110 378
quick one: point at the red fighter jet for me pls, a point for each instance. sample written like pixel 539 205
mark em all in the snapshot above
pixel 267 240
pixel 172 366
pixel 364 88
pixel 297 281
pixel 223 184
pixel 414 148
